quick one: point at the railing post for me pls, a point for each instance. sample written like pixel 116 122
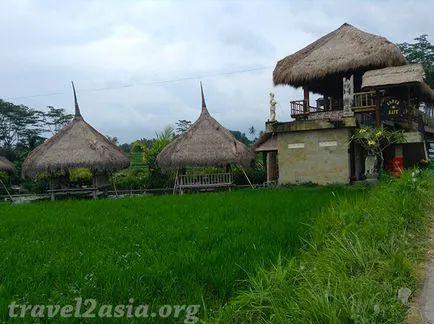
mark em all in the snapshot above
pixel 306 100
pixel 377 108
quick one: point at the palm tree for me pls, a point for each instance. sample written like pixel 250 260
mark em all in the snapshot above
pixel 252 131
pixel 160 142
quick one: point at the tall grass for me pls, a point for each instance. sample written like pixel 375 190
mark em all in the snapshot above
pixel 359 254
pixel 192 249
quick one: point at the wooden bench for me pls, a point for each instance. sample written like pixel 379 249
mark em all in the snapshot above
pixel 204 182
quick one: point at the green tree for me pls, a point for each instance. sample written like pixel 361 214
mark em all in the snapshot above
pixel 18 123
pixel 182 125
pixel 252 131
pixel 160 142
pixel 23 128
pixel 156 178
pixel 126 147
pixel 113 139
pixel 241 137
pixel 56 119
pixel 421 51
pixel 376 140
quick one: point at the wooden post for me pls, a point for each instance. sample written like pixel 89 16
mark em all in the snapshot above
pixel 306 100
pixel 175 185
pixel 377 108
pixel 271 166
pixel 268 166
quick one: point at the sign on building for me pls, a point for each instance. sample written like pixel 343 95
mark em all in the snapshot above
pixel 393 109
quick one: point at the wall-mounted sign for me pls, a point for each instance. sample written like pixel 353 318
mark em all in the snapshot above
pixel 296 145
pixel 328 144
pixel 393 108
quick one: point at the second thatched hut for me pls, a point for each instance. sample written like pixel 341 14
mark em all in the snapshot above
pixel 205 144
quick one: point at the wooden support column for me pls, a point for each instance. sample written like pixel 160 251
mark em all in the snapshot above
pixel 306 100
pixel 377 108
pixel 268 166
pixel 271 166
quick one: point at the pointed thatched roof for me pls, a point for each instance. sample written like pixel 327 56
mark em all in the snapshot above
pixel 399 75
pixel 343 51
pixel 6 165
pixel 205 143
pixel 77 145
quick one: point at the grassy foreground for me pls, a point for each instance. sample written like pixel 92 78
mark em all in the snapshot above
pixel 359 254
pixel 192 249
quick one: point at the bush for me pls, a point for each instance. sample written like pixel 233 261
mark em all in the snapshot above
pixel 80 175
pixel 4 177
pixel 39 185
pixel 129 181
pixel 257 175
pixel 159 179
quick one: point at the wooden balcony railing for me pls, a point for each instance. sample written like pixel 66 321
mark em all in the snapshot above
pixel 364 101
pixel 300 108
pixel 425 117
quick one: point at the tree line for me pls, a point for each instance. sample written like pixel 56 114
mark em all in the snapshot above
pixel 23 128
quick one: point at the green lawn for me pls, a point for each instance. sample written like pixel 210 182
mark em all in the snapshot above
pixel 191 249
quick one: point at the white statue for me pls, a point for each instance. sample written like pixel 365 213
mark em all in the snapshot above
pixel 348 86
pixel 370 162
pixel 272 108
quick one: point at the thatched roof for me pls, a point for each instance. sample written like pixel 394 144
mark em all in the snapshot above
pixel 344 51
pixel 265 143
pixel 399 75
pixel 205 143
pixel 6 165
pixel 77 145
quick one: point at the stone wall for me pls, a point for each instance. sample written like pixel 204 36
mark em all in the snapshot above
pixel 330 115
pixel 318 156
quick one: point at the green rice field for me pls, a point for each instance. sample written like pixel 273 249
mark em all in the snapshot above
pixel 190 249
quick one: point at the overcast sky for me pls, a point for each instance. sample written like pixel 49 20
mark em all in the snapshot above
pixel 128 45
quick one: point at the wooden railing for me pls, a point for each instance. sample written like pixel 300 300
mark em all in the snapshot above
pixel 205 180
pixel 300 108
pixel 425 117
pixel 364 101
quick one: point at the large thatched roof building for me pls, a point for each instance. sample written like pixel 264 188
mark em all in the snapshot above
pixel 205 143
pixel 346 50
pixel 78 144
pixel 6 165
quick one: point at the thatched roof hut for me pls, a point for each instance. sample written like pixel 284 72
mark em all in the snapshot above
pixel 342 52
pixel 77 145
pixel 6 165
pixel 411 74
pixel 205 143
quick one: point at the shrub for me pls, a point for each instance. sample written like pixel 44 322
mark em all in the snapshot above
pixel 4 177
pixel 81 176
pixel 159 179
pixel 130 181
pixel 257 175
pixel 39 185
